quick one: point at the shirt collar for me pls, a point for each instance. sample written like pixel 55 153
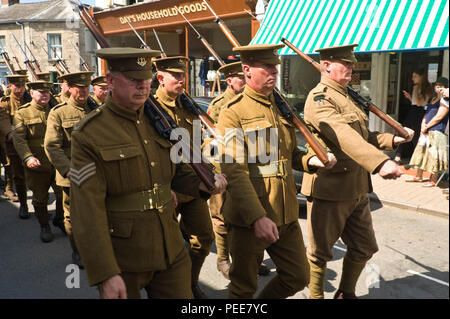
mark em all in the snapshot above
pixel 266 100
pixel 334 85
pixel 164 98
pixel 123 111
pixel 75 104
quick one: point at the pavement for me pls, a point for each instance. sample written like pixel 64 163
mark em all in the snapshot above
pixel 412 196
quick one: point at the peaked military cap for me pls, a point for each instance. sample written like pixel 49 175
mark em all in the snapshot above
pixel 131 62
pixel 341 52
pixel 264 53
pixel 17 79
pixel 77 78
pixel 172 64
pixel 21 72
pixel 44 76
pixel 99 80
pixel 230 69
pixel 40 85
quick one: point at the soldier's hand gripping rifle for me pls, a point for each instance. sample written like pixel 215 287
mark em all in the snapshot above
pixel 162 122
pixel 281 102
pixel 366 104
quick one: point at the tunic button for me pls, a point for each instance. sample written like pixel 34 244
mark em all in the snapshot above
pixel 111 230
pixel 138 122
pixel 145 142
pixel 152 164
pixel 122 156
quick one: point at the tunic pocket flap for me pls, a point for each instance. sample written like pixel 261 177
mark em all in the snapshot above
pixel 350 117
pixel 119 153
pixel 68 124
pixel 255 124
pixel 286 122
pixel 121 228
pixel 35 120
pixel 163 142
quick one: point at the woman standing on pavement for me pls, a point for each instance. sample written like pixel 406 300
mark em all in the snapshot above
pixel 430 154
pixel 419 98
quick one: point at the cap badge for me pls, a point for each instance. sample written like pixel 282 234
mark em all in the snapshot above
pixel 142 61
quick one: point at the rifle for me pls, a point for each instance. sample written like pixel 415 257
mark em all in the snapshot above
pixel 144 45
pixel 192 106
pixel 282 104
pixel 15 57
pixel 37 67
pixel 83 61
pixel 8 63
pixel 366 104
pixel 159 118
pixel 163 53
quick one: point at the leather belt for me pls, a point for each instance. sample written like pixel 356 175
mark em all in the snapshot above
pixel 281 168
pixel 155 198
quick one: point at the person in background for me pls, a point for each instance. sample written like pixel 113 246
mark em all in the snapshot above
pixel 430 154
pixel 420 96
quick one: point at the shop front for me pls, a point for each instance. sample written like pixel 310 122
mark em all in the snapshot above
pixel 394 37
pixel 177 37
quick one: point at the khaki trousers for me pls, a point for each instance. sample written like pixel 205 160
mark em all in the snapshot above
pixel 218 222
pixel 288 254
pixel 172 283
pixel 350 220
pixel 40 182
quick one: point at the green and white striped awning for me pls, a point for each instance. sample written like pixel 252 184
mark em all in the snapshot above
pixel 377 25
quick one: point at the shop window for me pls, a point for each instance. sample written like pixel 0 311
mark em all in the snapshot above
pixel 54 46
pixel 361 74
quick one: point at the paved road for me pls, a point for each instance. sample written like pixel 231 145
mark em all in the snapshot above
pixel 413 260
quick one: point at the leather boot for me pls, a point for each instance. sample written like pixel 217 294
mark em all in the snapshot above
pixel 76 258
pixel 9 188
pixel 317 273
pixel 41 213
pixel 263 270
pixel 58 220
pixel 351 270
pixel 22 194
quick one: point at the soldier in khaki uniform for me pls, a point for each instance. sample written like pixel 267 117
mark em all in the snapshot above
pixel 29 130
pixel 236 83
pixel 100 89
pixel 122 212
pixel 338 203
pixel 261 206
pixel 195 219
pixel 64 95
pixel 13 169
pixel 60 123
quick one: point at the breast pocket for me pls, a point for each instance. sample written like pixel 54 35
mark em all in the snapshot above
pixel 35 126
pixel 257 132
pixel 353 120
pixel 68 126
pixel 167 166
pixel 125 161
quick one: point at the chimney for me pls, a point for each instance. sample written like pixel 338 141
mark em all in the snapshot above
pixel 7 3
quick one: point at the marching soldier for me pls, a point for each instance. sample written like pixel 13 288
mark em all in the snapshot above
pixel 64 95
pixel 261 206
pixel 100 89
pixel 338 203
pixel 236 83
pixel 195 219
pixel 14 171
pixel 29 130
pixel 122 212
pixel 57 143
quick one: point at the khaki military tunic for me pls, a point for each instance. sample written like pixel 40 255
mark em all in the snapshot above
pixel 8 107
pixel 254 193
pixel 61 120
pixel 338 204
pixel 119 164
pixel 216 201
pixel 30 123
pixel 195 219
pixel 61 97
pixel 218 104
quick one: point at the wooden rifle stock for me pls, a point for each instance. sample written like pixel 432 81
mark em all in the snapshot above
pixel 8 62
pixel 154 112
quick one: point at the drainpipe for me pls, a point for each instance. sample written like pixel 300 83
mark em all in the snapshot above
pixel 23 40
